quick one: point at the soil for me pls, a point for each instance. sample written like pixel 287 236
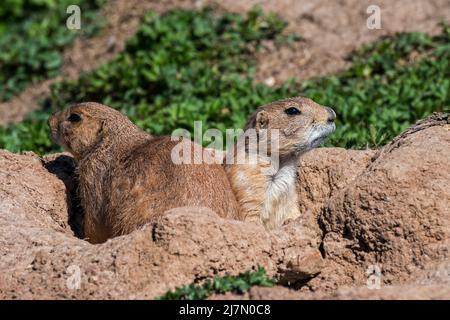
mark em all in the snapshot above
pixel 385 209
pixel 362 211
pixel 331 30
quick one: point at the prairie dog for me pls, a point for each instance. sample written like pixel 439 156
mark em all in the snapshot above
pixel 265 192
pixel 127 177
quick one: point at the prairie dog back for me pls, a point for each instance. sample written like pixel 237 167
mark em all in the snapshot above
pixel 127 177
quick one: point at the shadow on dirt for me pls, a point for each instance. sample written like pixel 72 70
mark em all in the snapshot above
pixel 64 168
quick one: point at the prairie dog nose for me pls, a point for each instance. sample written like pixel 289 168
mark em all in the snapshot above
pixel 331 114
pixel 51 122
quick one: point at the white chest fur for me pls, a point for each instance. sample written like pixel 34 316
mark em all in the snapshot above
pixel 265 193
pixel 280 201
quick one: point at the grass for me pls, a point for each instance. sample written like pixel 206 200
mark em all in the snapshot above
pixel 188 66
pixel 33 34
pixel 221 285
pixel 391 84
pixel 179 67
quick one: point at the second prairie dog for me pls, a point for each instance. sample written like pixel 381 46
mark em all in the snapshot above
pixel 267 194
pixel 127 177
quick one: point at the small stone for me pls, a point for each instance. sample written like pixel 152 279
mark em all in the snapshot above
pixel 270 81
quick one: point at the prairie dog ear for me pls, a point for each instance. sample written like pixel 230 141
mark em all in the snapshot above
pixel 262 120
pixel 101 130
pixel 102 126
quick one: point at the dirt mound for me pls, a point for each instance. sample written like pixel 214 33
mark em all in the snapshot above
pixel 395 214
pixel 40 252
pixel 402 292
pixel 325 171
pixel 387 208
pixel 333 29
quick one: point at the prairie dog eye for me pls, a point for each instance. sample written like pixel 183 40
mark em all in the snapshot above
pixel 292 111
pixel 74 118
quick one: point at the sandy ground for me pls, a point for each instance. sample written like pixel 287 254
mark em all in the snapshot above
pixel 362 210
pixel 331 30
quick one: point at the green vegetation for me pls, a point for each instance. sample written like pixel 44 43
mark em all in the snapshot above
pixel 391 84
pixel 180 67
pixel 33 34
pixel 187 66
pixel 220 285
pixel 31 134
pixel 17 10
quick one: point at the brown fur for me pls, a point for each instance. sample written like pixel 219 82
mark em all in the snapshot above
pixel 127 177
pixel 267 194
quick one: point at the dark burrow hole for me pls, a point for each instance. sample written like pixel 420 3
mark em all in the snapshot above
pixel 294 281
pixel 64 168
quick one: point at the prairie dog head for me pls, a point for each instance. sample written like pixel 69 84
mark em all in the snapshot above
pixel 302 124
pixel 82 127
